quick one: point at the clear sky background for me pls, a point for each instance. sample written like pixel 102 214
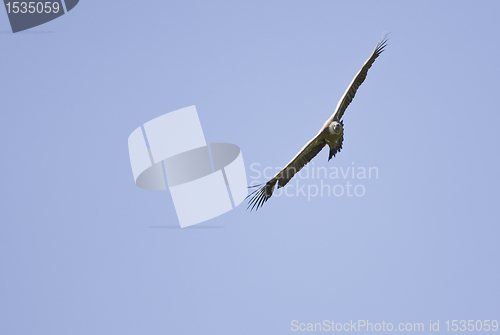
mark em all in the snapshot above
pixel 85 251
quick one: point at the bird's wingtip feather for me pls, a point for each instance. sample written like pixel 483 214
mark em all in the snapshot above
pixel 259 196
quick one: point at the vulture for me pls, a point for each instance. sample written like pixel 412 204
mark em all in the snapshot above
pixel 331 134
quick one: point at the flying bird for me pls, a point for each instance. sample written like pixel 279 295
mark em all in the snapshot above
pixel 331 134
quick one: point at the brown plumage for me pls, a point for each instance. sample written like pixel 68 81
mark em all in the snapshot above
pixel 331 134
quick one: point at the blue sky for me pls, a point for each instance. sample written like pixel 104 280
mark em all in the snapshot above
pixel 80 247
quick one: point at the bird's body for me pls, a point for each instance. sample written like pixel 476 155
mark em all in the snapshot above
pixel 331 134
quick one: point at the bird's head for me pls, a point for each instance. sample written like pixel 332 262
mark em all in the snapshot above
pixel 335 128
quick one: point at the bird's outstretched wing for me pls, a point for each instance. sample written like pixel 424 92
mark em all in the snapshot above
pixel 358 80
pixel 264 192
pixel 304 156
